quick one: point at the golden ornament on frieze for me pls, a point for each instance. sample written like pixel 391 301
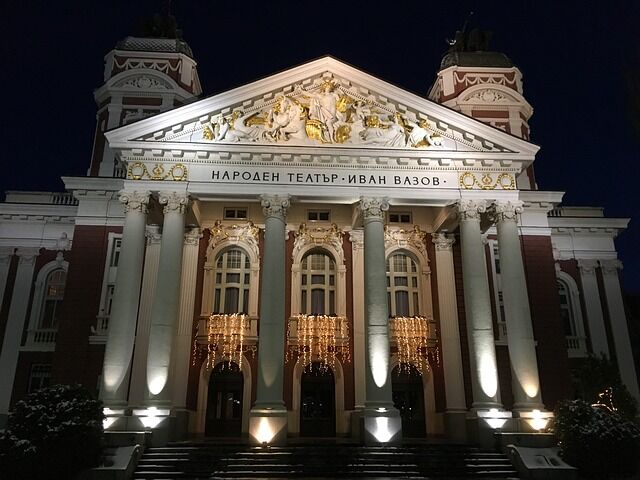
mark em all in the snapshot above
pixel 139 171
pixel 503 181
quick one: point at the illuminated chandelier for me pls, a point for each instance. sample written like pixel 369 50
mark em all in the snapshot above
pixel 319 338
pixel 225 339
pixel 414 343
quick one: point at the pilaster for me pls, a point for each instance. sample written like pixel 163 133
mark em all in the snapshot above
pixel 591 294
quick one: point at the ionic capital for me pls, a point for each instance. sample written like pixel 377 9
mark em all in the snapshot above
pixel 193 236
pixel 587 266
pixel 470 209
pixel 134 201
pixel 174 202
pixel 506 211
pixel 153 235
pixel 373 208
pixel 443 242
pixel 275 206
pixel 611 266
pixel 27 255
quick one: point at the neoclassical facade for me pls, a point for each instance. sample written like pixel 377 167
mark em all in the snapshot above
pixel 315 253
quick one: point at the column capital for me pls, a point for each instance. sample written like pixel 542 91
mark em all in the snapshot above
pixel 27 255
pixel 5 255
pixel 174 202
pixel 611 266
pixel 443 242
pixel 134 200
pixel 193 236
pixel 469 209
pixel 373 208
pixel 503 211
pixel 587 266
pixel 356 237
pixel 275 205
pixel 153 235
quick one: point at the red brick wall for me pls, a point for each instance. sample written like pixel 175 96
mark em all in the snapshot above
pixel 548 331
pixel 348 368
pixel 504 375
pixel 75 360
pixel 8 293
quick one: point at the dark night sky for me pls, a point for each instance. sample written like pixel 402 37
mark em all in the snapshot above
pixel 574 57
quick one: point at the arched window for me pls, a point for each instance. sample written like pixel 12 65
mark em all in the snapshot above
pixel 233 277
pixel 566 310
pixel 403 289
pixel 53 295
pixel 318 284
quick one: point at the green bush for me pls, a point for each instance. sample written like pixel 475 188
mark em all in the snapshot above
pixel 52 434
pixel 600 443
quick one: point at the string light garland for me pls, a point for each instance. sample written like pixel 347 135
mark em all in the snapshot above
pixel 415 343
pixel 319 338
pixel 225 339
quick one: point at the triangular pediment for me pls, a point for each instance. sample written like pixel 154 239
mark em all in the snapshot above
pixel 324 103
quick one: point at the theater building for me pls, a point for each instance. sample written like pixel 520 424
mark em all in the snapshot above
pixel 315 253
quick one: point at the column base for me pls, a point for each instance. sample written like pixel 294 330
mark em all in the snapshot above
pixel 455 426
pixel 483 424
pixel 381 426
pixel 268 426
pixel 532 420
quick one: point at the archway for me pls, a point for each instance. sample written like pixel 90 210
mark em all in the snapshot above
pixel 408 398
pixel 317 401
pixel 224 401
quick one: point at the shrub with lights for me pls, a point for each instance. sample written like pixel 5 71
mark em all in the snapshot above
pixel 597 440
pixel 53 433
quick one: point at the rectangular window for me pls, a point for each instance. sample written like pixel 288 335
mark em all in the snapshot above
pixel 39 377
pixel 400 217
pixel 115 252
pixel 318 215
pixel 235 213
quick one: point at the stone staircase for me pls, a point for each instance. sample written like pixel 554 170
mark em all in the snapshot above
pixel 220 461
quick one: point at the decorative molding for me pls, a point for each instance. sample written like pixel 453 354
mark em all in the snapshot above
pixel 402 238
pixel 443 242
pixel 471 209
pixel 5 255
pixel 275 206
pixel 611 266
pixel 144 82
pixel 373 208
pixel 174 202
pixel 27 255
pixel 319 236
pixel 246 234
pixel 488 181
pixel 506 211
pixel 135 201
pixel 63 243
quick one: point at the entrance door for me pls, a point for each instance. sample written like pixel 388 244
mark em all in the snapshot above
pixel 224 404
pixel 408 398
pixel 317 402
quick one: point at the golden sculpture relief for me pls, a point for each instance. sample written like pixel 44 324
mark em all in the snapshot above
pixel 139 171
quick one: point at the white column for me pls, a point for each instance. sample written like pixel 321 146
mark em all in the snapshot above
pixel 15 324
pixel 522 348
pixel 5 263
pixel 184 336
pixel 378 394
pixel 124 310
pixel 477 304
pixel 619 327
pixel 164 311
pixel 268 418
pixel 591 295
pixel 450 336
pixel 357 262
pixel 149 277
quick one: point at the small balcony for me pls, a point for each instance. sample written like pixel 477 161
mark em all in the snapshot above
pixel 576 346
pixel 415 341
pixel 41 340
pixel 318 338
pixel 99 330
